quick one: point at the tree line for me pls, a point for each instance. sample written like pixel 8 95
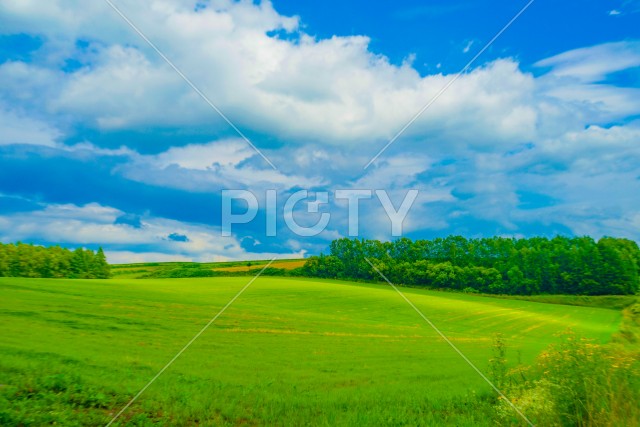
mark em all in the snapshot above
pixel 26 260
pixel 496 265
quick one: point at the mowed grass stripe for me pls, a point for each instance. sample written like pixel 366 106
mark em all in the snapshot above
pixel 288 352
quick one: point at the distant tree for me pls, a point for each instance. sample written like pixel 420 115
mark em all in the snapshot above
pixel 619 272
pixel 571 265
pixel 80 267
pixel 26 260
pixel 516 280
pixel 100 268
pixel 4 260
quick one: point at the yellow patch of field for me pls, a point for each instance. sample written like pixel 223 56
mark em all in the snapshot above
pixel 287 265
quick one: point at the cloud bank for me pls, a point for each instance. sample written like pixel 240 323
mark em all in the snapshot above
pixel 551 147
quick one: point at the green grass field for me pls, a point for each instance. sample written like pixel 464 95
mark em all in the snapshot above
pixel 287 352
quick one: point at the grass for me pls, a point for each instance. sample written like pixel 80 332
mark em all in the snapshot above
pixel 140 270
pixel 616 302
pixel 578 382
pixel 287 352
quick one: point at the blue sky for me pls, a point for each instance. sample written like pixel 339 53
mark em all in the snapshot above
pixel 102 143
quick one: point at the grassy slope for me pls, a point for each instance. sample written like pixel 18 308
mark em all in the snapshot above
pixel 288 352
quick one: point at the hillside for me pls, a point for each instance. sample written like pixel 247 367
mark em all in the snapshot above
pixel 286 352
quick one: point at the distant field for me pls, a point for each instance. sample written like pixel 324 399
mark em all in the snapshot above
pixel 139 270
pixel 287 265
pixel 287 352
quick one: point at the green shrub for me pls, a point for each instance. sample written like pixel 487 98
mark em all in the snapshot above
pixel 578 383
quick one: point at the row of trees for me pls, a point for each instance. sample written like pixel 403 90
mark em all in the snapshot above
pixel 561 265
pixel 23 260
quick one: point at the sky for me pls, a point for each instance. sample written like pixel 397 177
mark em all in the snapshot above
pixel 103 143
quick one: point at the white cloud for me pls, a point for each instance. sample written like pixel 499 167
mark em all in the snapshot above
pixel 574 93
pixel 596 143
pixel 20 129
pixel 467 47
pixel 590 179
pixel 592 64
pixel 394 172
pixel 330 90
pixel 212 167
pixel 204 156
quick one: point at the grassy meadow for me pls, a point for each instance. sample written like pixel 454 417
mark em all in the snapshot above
pixel 288 352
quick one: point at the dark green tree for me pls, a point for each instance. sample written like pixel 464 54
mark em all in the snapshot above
pixel 99 267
